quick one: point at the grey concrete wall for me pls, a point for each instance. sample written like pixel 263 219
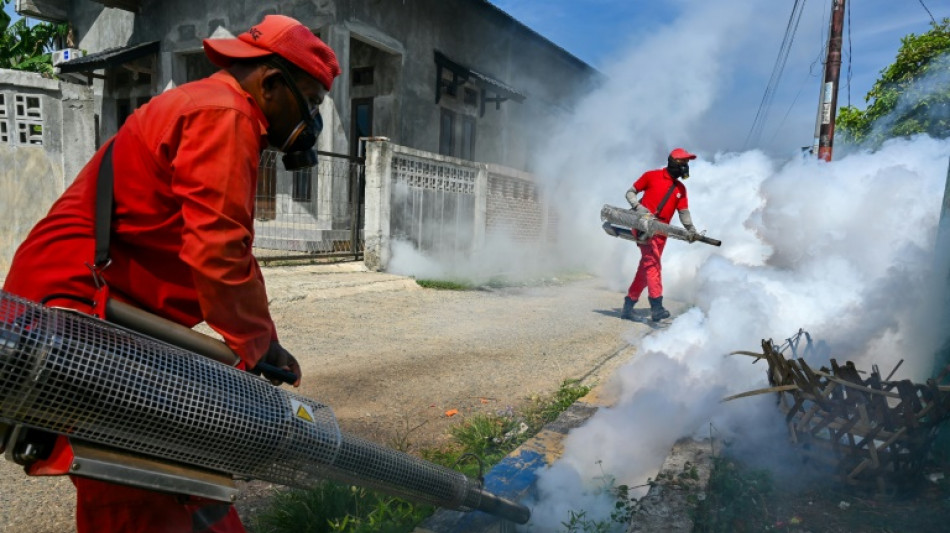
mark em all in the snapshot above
pixel 376 228
pixel 514 207
pixel 446 207
pixel 398 39
pixel 33 176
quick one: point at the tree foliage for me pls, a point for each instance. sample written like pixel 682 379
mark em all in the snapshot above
pixel 911 96
pixel 25 47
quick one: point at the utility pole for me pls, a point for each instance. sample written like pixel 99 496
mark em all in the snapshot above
pixel 828 103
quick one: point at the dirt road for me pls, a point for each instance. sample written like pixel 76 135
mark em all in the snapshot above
pixel 391 358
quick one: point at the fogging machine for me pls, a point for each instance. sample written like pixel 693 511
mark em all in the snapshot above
pixel 622 223
pixel 141 411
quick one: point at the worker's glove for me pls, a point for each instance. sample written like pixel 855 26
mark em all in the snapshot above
pixel 278 357
pixel 642 211
pixel 692 235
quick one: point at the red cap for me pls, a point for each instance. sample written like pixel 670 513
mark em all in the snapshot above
pixel 679 153
pixel 280 35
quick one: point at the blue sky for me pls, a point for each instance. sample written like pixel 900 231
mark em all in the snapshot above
pixel 602 32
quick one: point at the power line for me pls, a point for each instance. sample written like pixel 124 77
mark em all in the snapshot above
pixel 928 11
pixel 789 110
pixel 849 53
pixel 791 28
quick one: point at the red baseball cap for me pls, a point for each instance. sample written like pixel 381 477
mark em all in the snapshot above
pixel 281 35
pixel 679 153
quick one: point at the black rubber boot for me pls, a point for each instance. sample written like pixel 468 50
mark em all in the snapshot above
pixel 657 311
pixel 627 312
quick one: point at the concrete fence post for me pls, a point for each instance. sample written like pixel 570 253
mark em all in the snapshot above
pixel 480 218
pixel 376 229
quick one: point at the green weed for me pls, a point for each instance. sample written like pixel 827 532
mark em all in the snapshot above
pixel 736 499
pixel 625 506
pixel 445 285
pixel 544 409
pixel 336 508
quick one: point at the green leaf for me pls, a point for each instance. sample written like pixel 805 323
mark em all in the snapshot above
pixel 911 96
pixel 28 48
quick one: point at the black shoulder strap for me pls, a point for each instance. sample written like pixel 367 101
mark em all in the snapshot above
pixel 104 208
pixel 659 208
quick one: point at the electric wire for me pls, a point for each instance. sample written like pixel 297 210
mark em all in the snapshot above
pixel 788 111
pixel 849 54
pixel 817 61
pixel 791 28
pixel 932 19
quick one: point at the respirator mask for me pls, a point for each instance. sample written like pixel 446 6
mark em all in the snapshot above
pixel 676 169
pixel 298 148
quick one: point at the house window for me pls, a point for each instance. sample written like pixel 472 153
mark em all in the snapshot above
pixel 303 185
pixel 361 123
pixel 265 206
pixel 449 85
pixel 28 117
pixel 123 108
pixel 471 97
pixel 446 133
pixel 362 76
pixel 467 144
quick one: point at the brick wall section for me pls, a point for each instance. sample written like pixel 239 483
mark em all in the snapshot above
pixel 514 209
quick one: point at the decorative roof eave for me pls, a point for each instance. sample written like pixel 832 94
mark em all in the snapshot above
pixel 499 90
pixel 128 5
pixel 109 58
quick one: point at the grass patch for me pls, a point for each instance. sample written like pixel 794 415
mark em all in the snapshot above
pixel 334 507
pixel 502 282
pixel 337 508
pixel 493 436
pixel 445 285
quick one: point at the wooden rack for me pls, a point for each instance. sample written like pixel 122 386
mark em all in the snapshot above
pixel 874 432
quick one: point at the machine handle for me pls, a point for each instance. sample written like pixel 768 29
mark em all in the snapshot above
pixel 165 330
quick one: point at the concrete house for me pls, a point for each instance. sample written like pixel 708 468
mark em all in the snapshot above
pixel 459 79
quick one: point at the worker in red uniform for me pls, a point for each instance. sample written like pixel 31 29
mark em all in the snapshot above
pixel 184 172
pixel 663 194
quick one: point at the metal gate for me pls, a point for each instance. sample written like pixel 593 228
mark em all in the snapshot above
pixel 315 212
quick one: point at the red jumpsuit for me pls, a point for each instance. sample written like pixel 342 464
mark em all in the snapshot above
pixel 654 185
pixel 185 177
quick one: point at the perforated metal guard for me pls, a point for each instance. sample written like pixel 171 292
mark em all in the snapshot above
pixel 72 374
pixel 623 217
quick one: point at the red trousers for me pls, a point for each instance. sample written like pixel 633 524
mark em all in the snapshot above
pixel 109 508
pixel 649 271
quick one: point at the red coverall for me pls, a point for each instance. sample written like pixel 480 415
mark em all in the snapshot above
pixel 185 177
pixel 654 185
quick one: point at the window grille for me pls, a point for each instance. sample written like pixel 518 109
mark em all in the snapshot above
pixel 29 133
pixel 6 136
pixel 28 117
pixel 303 185
pixel 29 107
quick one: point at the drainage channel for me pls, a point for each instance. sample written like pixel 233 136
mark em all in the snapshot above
pixel 666 507
pixel 514 477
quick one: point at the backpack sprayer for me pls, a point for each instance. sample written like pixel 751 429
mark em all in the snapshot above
pixel 623 222
pixel 143 412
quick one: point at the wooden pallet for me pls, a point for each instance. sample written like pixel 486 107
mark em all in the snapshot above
pixel 875 433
